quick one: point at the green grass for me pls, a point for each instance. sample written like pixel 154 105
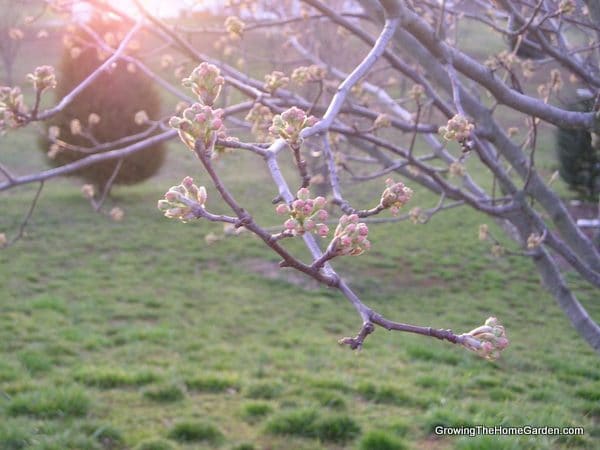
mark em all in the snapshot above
pixel 196 431
pixel 137 335
pixel 164 394
pixel 50 403
pixel 381 440
pixel 308 423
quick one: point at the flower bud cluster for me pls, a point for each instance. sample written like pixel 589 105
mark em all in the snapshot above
pixel 261 118
pixel 484 232
pixel 290 123
pixel 42 78
pixel 534 241
pixel 305 74
pixel 566 6
pixel 275 80
pixel 350 236
pixel 306 214
pixel 179 200
pixel 457 129
pixel 395 195
pixel 11 107
pixel 234 26
pixel 417 91
pixel 199 122
pixel 206 82
pixel 456 169
pixel 492 339
pixel 382 121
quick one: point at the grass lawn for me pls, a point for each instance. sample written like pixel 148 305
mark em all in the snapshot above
pixel 137 335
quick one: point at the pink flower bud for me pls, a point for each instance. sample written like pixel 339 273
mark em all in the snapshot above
pixel 363 230
pixel 303 193
pixel 298 204
pixel 200 118
pixel 307 209
pixel 282 209
pixel 217 123
pixel 309 225
pixel 322 230
pixel 290 224
pixel 320 202
pixel 322 214
pixel 346 241
pixel 351 228
pixel 353 218
pixel 172 196
pixel 201 195
pixel 187 182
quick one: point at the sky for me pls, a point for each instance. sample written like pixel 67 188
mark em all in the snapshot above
pixel 164 7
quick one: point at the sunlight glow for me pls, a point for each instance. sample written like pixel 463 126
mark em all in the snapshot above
pixel 163 8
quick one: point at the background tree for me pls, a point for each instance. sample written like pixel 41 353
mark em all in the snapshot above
pixel 118 107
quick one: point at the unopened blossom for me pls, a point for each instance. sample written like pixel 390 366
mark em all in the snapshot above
pixel 395 195
pixel 166 61
pixel 75 126
pixel 290 123
pixel 350 237
pixel 306 215
pixel 88 191
pixel 458 129
pixel 42 78
pixel 556 81
pixel 261 118
pixel 416 215
pixel 117 214
pixel 491 339
pixel 16 34
pixel 456 169
pixel 199 122
pixel 234 26
pixel 497 250
pixel 206 82
pixel 179 201
pixel 12 107
pixel 534 240
pixel 382 121
pixel 53 151
pixel 483 232
pixel 566 6
pixel 528 68
pixel 94 119
pixel 275 80
pixel 75 52
pixel 3 240
pixel 416 92
pixel 141 117
pixel 305 74
pixel 53 132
